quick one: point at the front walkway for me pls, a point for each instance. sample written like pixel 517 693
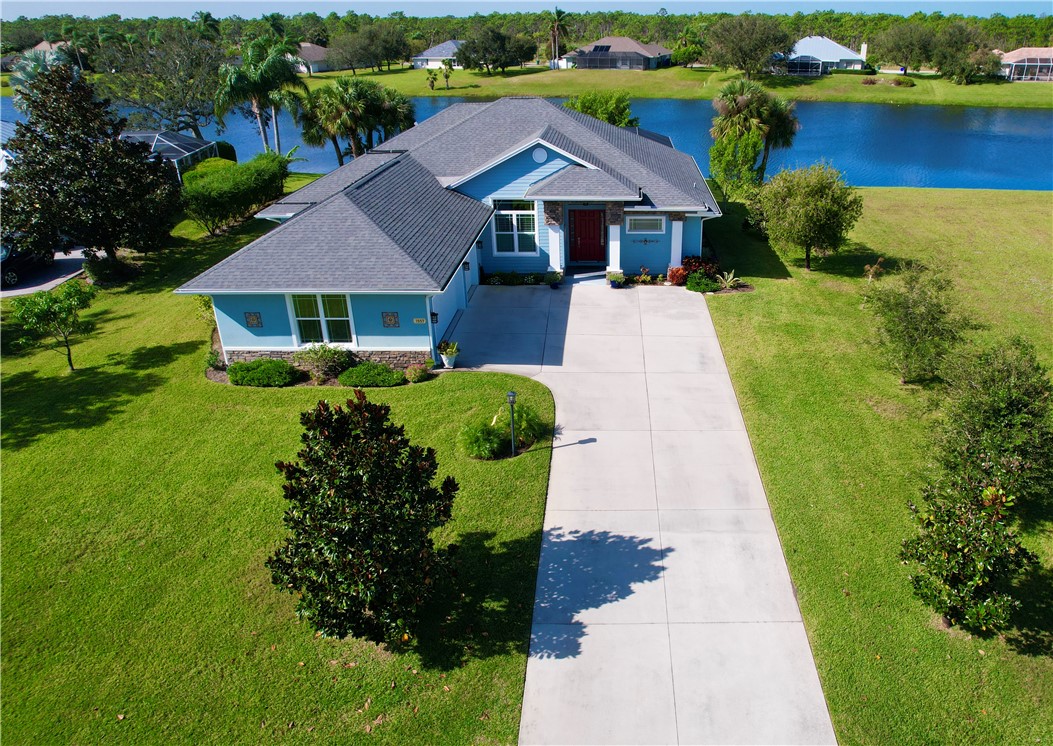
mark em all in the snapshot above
pixel 664 612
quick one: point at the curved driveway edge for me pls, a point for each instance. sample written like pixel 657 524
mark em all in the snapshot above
pixel 664 612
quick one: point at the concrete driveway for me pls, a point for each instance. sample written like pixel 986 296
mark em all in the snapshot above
pixel 46 278
pixel 664 610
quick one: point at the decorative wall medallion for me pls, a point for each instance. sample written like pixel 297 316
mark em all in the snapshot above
pixel 390 319
pixel 253 319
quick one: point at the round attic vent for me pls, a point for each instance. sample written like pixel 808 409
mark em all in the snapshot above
pixel 540 155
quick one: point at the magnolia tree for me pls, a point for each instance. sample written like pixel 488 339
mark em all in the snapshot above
pixel 362 505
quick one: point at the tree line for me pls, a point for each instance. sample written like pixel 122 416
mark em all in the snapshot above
pixel 671 29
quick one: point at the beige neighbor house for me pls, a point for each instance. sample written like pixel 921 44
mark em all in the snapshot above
pixel 617 53
pixel 314 56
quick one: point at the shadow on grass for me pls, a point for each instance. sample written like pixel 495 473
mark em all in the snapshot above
pixel 486 609
pixel 184 258
pixel 852 260
pixel 784 82
pixel 36 405
pixel 1032 632
pixel 746 252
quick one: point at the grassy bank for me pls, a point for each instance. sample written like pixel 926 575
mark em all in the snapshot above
pixel 139 503
pixel 703 83
pixel 842 448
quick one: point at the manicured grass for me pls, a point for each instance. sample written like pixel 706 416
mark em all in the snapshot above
pixel 140 502
pixel 5 84
pixel 843 447
pixel 703 83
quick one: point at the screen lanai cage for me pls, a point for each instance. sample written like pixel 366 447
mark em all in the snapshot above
pixel 601 57
pixel 1034 67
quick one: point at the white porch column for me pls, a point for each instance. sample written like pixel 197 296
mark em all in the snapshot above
pixel 614 248
pixel 555 247
pixel 676 252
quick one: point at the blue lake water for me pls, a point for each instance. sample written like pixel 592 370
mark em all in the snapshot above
pixel 872 144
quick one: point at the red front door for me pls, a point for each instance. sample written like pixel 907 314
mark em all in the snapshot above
pixel 587 240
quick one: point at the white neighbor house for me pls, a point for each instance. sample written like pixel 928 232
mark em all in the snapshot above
pixel 433 58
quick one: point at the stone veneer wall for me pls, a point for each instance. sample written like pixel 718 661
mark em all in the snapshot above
pixel 395 358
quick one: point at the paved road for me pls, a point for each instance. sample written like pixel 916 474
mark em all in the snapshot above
pixel 46 278
pixel 664 611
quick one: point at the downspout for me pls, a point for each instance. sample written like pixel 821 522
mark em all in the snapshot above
pixel 431 329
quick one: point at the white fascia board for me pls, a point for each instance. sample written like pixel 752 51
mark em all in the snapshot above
pixel 512 154
pixel 471 246
pixel 581 198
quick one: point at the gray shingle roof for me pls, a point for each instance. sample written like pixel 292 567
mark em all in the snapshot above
pixel 578 182
pixel 325 187
pixel 396 229
pixel 470 136
pixel 386 221
pixel 446 50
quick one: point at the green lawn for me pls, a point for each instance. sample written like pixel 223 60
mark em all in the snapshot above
pixel 703 83
pixel 139 503
pixel 842 447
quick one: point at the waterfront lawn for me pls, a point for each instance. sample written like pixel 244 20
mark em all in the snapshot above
pixel 842 448
pixel 703 83
pixel 140 502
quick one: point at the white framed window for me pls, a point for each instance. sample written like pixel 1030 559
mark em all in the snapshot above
pixel 515 227
pixel 322 318
pixel 645 223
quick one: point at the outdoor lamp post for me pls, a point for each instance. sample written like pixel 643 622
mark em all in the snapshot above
pixel 512 411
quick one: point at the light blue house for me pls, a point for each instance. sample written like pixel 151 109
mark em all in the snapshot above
pixel 381 255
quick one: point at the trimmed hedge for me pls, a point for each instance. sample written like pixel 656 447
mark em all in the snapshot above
pixel 219 193
pixel 264 373
pixel 864 71
pixel 368 373
pixel 699 282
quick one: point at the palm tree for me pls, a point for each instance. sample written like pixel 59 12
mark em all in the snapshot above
pixel 557 24
pixel 318 115
pixel 433 76
pixel 397 112
pixel 781 127
pixel 447 71
pixel 29 66
pixel 356 106
pixel 743 106
pixel 206 25
pixel 75 39
pixel 268 66
pixel 739 104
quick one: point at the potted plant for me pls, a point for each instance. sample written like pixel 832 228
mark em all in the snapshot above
pixel 448 351
pixel 616 279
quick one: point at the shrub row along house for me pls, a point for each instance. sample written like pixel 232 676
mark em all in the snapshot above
pixel 381 255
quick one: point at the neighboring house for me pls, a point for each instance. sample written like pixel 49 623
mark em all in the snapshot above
pixel 314 56
pixel 182 151
pixel 433 58
pixel 617 53
pixel 817 55
pixel 47 46
pixel 1028 63
pixel 381 255
pixel 8 61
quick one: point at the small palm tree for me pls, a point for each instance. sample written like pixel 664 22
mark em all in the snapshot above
pixel 738 104
pixel 316 112
pixel 433 76
pixel 397 112
pixel 781 126
pixel 447 71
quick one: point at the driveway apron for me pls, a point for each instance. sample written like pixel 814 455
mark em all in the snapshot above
pixel 664 612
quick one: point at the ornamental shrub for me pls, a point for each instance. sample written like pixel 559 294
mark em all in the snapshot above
pixel 917 323
pixel 677 275
pixel 368 373
pixel 699 282
pixel 322 361
pixel 996 429
pixel 965 557
pixel 264 373
pixel 493 439
pixel 418 372
pixel 693 264
pixel 363 503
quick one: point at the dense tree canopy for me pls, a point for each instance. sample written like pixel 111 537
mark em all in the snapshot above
pixel 612 107
pixel 73 180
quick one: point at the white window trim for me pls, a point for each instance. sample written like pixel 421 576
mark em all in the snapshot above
pixel 493 230
pixel 630 218
pixel 297 342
